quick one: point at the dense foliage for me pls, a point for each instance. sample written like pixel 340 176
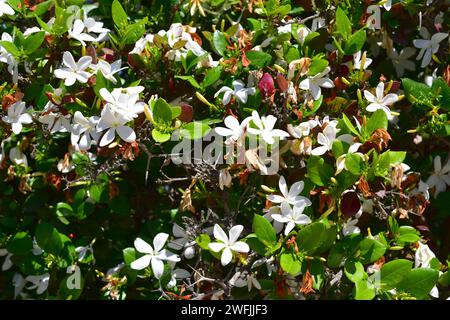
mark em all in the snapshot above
pixel 348 100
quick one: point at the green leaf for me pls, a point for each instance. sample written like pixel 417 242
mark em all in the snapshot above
pixel 134 32
pixel 258 59
pixel 159 136
pixel 316 238
pixel 11 48
pixel 195 130
pixel 396 157
pixel 290 263
pixel 354 270
pixel 129 255
pixel 354 163
pixel 119 15
pixel 419 282
pixel 343 24
pixel 162 112
pixel 48 238
pixel 378 120
pixel 364 290
pixel 63 210
pixel 318 64
pixel 371 250
pixel 264 231
pixel 191 80
pixel 33 42
pixel 343 249
pixel 21 243
pixel 441 89
pixel 355 42
pixel 349 125
pixel 319 172
pixel 393 272
pixel 408 234
pixel 212 76
pixel 219 42
pixel 203 241
pixel 417 92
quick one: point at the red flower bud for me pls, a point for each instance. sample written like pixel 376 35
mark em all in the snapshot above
pixel 266 85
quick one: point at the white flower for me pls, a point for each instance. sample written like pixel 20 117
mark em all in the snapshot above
pixel 422 259
pixel 55 121
pixel 18 157
pixel 40 283
pixel 422 189
pixel 277 226
pixel 240 92
pixel 291 196
pixel 74 70
pixel 428 46
pixel 270 265
pixel 225 179
pixel 401 60
pixel 264 128
pixel 314 83
pixel 6 57
pixel 234 130
pixel 196 4
pixel 7 263
pixel 303 129
pixel 66 165
pixel 182 241
pixel 350 227
pixel 326 140
pixel 17 116
pixel 109 70
pixel 228 244
pixel 83 251
pixel 291 216
pixel 93 26
pixel 114 123
pixel 357 59
pixel 242 279
pixel 440 177
pixel 77 31
pixel 153 255
pixel 380 101
pixel 83 131
pixel 124 101
pixel 5 8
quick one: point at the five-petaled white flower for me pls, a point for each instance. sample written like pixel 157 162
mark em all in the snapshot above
pixel 17 116
pixel 240 92
pixel 291 196
pixel 234 130
pixel 401 60
pixel 5 8
pixel 264 128
pixel 326 140
pixel 291 216
pixel 114 122
pixel 83 131
pixel 428 46
pixel 154 255
pixel 109 70
pixel 228 244
pixel 74 70
pixel 18 157
pixel 380 101
pixel 316 82
pixel 440 177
